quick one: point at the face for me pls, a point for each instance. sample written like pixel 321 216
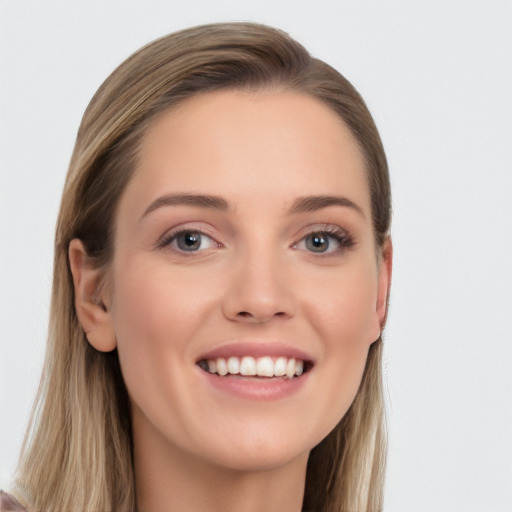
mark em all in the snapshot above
pixel 244 243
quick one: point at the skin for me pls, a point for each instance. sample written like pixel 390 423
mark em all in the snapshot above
pixel 254 278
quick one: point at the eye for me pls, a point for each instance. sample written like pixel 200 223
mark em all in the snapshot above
pixel 325 241
pixel 188 241
pixel 318 242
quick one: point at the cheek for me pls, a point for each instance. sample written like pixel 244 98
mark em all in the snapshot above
pixel 345 310
pixel 153 304
pixel 154 318
pixel 157 315
pixel 345 319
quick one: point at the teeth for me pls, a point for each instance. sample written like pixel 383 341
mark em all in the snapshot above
pixel 265 367
pixel 290 368
pixel 222 366
pixel 249 366
pixel 280 366
pixel 233 365
pixel 212 366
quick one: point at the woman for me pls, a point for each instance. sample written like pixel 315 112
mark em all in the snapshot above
pixel 221 278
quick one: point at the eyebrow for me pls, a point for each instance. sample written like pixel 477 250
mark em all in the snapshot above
pixel 314 203
pixel 300 205
pixel 200 200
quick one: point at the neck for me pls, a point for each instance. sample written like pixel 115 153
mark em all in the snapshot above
pixel 168 480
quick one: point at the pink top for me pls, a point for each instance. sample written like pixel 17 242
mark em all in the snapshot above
pixel 10 504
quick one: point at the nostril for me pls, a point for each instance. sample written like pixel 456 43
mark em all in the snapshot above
pixel 248 315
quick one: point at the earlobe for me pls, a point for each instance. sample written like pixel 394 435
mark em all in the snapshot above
pixel 384 283
pixel 90 299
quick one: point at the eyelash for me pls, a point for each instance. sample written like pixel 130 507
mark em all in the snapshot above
pixel 340 236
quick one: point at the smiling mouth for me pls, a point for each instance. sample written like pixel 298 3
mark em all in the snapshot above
pixel 263 367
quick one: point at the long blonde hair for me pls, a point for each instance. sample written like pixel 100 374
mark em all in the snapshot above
pixel 77 454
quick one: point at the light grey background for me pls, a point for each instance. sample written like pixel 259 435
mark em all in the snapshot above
pixel 437 77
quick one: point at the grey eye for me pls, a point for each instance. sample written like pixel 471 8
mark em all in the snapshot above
pixel 188 241
pixel 191 241
pixel 324 242
pixel 317 242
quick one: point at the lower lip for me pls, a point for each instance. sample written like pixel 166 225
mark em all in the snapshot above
pixel 253 388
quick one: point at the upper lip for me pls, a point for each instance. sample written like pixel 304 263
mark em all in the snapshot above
pixel 256 349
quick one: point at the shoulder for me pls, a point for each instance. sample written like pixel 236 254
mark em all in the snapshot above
pixel 10 504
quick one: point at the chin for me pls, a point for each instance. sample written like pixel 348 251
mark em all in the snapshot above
pixel 260 460
pixel 257 451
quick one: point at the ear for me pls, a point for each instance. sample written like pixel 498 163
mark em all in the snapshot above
pixel 384 281
pixel 91 299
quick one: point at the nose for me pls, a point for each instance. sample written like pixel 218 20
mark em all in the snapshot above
pixel 259 290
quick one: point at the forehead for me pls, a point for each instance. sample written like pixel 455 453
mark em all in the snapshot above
pixel 250 145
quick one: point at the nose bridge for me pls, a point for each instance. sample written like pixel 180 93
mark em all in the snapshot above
pixel 259 289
